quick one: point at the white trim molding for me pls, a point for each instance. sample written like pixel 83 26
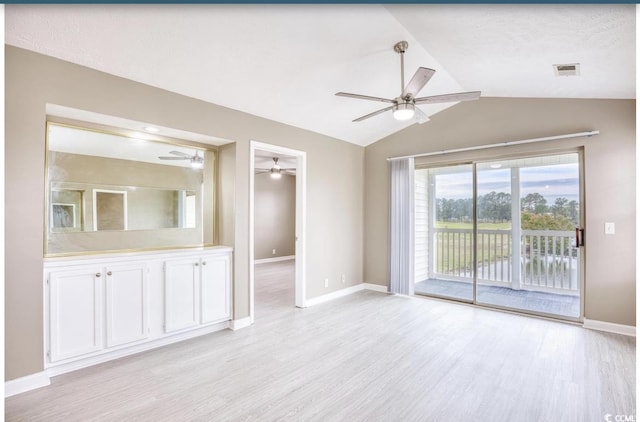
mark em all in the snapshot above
pixel 301 212
pixel 344 292
pixel 24 384
pixel 276 259
pixel 610 327
pixel 237 324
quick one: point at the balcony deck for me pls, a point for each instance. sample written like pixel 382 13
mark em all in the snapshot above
pixel 539 302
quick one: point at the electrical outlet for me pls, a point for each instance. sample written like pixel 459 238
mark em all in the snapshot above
pixel 326 282
pixel 273 252
pixel 609 228
pixel 344 279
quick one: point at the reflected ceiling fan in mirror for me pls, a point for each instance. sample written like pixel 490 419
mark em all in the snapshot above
pixel 276 171
pixel 197 161
pixel 404 106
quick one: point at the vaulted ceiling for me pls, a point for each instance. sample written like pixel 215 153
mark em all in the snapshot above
pixel 286 62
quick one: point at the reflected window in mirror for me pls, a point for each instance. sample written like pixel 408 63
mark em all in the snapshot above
pixel 108 191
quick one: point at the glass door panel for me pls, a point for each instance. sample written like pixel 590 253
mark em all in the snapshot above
pixel 444 235
pixel 528 210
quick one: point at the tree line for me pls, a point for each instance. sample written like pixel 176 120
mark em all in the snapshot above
pixel 495 207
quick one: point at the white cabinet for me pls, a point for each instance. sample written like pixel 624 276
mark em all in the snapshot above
pixel 127 301
pixel 99 308
pixel 182 277
pixel 90 301
pixel 215 291
pixel 197 291
pixel 75 308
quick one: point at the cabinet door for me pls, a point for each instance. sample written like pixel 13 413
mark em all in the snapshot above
pixel 214 295
pixel 75 310
pixel 127 304
pixel 181 293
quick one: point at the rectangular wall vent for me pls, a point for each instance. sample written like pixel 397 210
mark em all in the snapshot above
pixel 571 69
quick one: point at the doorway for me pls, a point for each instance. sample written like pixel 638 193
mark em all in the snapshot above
pixel 282 243
pixel 502 234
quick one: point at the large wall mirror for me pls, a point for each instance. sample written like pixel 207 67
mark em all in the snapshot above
pixel 112 192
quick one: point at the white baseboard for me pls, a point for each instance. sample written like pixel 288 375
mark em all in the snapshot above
pixel 375 287
pixel 627 330
pixel 24 384
pixel 344 292
pixel 276 259
pixel 334 295
pixel 237 324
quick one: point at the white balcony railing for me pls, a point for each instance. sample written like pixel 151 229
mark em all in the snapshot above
pixel 544 260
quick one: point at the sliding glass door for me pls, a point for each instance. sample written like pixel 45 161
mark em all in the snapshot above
pixel 501 234
pixel 444 235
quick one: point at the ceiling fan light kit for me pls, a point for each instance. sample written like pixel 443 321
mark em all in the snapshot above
pixel 404 107
pixel 404 111
pixel 275 170
pixel 197 162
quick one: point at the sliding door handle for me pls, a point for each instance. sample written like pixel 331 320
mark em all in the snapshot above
pixel 579 237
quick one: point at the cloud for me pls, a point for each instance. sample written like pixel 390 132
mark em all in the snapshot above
pixel 551 181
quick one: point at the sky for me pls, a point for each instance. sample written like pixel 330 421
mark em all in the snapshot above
pixel 551 181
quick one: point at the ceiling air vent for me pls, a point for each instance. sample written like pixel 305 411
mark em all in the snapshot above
pixel 571 69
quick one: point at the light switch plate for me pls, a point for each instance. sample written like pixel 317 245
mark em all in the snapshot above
pixel 609 228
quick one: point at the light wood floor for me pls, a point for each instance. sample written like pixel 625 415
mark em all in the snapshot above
pixel 364 357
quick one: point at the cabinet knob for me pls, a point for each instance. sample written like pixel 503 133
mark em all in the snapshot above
pixel 98 275
pixel 204 262
pixel 196 264
pixel 109 273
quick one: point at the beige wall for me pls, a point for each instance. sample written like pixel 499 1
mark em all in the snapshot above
pixel 275 216
pixel 226 194
pixel 334 227
pixel 609 169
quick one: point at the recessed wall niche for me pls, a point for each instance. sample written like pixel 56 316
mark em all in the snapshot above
pixel 111 192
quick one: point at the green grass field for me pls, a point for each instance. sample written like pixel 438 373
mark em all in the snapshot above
pixel 469 226
pixel 456 249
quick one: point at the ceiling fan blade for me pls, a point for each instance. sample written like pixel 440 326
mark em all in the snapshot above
pixel 375 113
pixel 364 97
pixel 417 82
pixel 419 116
pixel 289 169
pixel 182 154
pixel 448 98
pixel 259 171
pixel 174 158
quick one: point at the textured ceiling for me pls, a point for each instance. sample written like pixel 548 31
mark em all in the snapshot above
pixel 285 62
pixel 509 50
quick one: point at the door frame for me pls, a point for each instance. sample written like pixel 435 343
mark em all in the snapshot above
pixel 300 230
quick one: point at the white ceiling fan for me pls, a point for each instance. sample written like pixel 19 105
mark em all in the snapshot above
pixel 276 171
pixel 197 161
pixel 404 106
